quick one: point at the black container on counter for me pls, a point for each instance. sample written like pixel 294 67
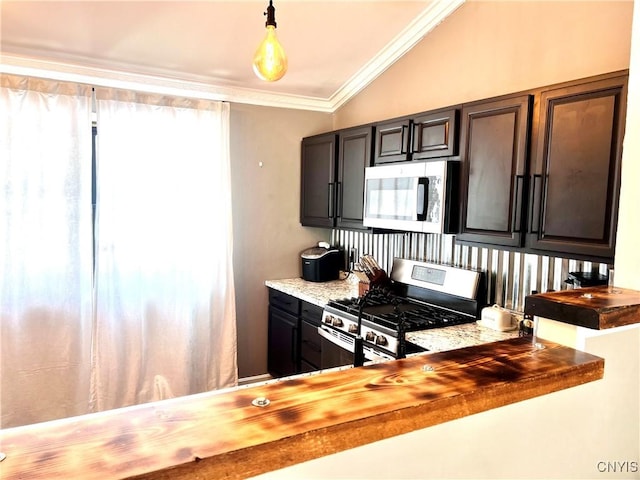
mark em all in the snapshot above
pixel 322 264
pixel 586 279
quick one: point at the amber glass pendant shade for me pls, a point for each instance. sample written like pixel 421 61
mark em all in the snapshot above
pixel 270 61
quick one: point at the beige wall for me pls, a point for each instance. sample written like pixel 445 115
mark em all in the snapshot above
pixel 266 227
pixel 488 48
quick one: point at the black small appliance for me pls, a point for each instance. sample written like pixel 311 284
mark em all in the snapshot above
pixel 322 263
pixel 586 279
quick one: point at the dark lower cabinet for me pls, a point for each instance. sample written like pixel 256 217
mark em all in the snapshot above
pixel 283 356
pixel 310 339
pixel 294 344
pixel 283 336
pixel 575 179
pixel 494 143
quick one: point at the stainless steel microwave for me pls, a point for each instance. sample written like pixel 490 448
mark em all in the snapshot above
pixel 412 196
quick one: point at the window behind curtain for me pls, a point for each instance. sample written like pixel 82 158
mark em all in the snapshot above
pixel 45 278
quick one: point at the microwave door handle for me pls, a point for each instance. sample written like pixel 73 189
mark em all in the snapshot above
pixel 422 199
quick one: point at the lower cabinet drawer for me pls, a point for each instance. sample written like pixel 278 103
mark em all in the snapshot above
pixel 285 302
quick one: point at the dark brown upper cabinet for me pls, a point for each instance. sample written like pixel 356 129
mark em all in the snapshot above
pixel 317 189
pixel 392 141
pixel 354 155
pixel 427 135
pixel 494 141
pixel 332 178
pixel 576 155
pixel 435 134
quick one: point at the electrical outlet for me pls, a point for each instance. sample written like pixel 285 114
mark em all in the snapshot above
pixel 353 256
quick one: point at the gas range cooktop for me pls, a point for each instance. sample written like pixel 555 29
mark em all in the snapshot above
pixel 419 296
pixel 400 314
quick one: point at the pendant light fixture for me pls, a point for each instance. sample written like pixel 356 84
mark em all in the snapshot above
pixel 270 61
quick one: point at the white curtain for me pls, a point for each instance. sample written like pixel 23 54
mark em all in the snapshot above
pixel 45 256
pixel 156 318
pixel 165 305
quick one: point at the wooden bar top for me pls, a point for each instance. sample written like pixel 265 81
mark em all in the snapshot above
pixel 222 435
pixel 591 307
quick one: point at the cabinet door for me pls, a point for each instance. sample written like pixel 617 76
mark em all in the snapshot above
pixel 435 135
pixel 310 341
pixel 392 141
pixel 283 343
pixel 576 176
pixel 317 189
pixel 494 141
pixel 354 155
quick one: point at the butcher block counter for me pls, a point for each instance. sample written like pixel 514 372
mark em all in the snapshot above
pixel 224 435
pixel 592 307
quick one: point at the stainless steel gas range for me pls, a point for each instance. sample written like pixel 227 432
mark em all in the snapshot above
pixel 418 296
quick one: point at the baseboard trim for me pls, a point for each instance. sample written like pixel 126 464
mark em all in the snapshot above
pixel 254 379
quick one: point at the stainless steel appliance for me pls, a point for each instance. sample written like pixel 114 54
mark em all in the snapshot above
pixel 412 196
pixel 419 296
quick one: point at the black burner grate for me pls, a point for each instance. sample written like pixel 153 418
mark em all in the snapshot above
pixel 401 314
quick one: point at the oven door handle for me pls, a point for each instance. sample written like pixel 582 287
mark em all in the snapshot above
pixel 422 199
pixel 326 333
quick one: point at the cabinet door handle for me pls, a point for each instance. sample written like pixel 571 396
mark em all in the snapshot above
pixel 536 200
pixel 331 199
pixel 416 138
pixel 405 139
pixel 517 204
pixel 339 199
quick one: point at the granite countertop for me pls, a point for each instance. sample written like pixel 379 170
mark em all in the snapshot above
pixel 457 336
pixel 318 293
pixel 434 340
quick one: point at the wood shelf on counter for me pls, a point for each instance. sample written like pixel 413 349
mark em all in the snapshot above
pixel 592 307
pixel 222 435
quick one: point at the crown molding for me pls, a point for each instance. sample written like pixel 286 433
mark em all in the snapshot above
pixel 27 65
pixel 100 77
pixel 430 18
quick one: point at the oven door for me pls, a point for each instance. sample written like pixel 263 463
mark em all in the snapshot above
pixel 333 355
pixel 407 196
pixel 337 348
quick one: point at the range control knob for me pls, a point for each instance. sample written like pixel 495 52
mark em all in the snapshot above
pixel 328 319
pixel 381 340
pixel 370 337
pixel 353 328
pixel 337 322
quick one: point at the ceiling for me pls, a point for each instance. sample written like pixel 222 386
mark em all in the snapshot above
pixel 205 48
